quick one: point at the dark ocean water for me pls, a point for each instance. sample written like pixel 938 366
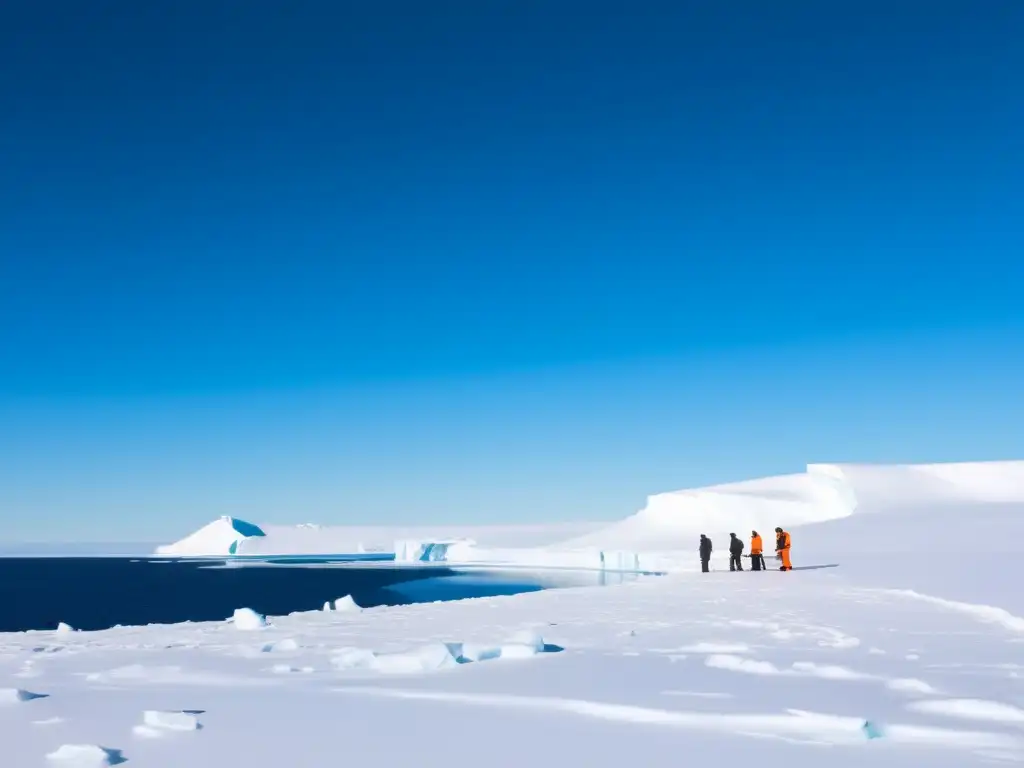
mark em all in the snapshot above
pixel 92 593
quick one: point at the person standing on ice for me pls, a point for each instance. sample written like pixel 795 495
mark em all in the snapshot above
pixel 782 549
pixel 735 553
pixel 705 553
pixel 756 548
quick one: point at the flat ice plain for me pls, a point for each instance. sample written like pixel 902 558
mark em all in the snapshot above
pixel 910 652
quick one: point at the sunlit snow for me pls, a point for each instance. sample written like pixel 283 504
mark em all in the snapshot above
pixel 906 653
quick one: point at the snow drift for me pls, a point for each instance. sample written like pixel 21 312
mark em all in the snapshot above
pixel 824 493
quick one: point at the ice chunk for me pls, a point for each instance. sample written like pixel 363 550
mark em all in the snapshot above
pixel 247 619
pixel 85 756
pixel 170 721
pixel 529 638
pixel 327 607
pixel 466 652
pixel 18 695
pixel 523 645
pixel 872 730
pixel 428 658
pixel 346 603
pixel 433 551
pixel 518 651
pixel 64 629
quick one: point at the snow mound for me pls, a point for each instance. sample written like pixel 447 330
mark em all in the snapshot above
pixel 247 619
pixel 971 709
pixel 221 537
pixel 64 629
pixel 18 695
pixel 85 756
pixel 911 685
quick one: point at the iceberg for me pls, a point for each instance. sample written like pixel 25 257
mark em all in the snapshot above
pixel 221 537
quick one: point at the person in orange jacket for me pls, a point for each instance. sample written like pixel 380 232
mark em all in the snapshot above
pixel 782 542
pixel 756 549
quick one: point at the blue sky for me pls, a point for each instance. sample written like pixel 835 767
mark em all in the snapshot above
pixel 403 262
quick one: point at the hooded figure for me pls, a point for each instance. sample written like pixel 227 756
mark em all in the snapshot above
pixel 756 550
pixel 782 549
pixel 705 552
pixel 735 553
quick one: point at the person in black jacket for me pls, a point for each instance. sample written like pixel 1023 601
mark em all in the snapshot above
pixel 705 552
pixel 735 553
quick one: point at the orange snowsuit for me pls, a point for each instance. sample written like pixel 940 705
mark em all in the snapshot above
pixel 756 547
pixel 782 542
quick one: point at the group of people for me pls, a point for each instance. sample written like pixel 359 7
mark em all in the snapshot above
pixel 756 552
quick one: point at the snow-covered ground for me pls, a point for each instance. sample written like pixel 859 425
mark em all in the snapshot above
pixel 910 652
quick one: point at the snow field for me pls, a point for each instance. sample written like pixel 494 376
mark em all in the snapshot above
pixel 767 667
pixel 906 654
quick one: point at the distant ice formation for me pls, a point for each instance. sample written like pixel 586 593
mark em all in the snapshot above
pixel 221 537
pixel 659 537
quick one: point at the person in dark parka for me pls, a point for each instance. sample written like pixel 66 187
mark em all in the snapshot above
pixel 705 553
pixel 735 553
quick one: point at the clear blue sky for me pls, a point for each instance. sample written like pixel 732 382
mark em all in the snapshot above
pixel 481 261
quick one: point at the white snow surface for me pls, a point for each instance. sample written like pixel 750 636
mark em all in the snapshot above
pixel 908 634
